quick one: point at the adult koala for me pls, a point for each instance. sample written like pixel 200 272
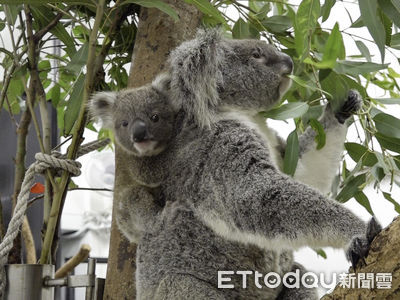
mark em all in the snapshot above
pixel 212 75
pixel 232 209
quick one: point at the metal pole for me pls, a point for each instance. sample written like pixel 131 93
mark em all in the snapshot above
pixel 91 270
pixel 25 282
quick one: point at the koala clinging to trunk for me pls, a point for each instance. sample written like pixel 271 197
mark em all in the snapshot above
pixel 144 123
pixel 232 209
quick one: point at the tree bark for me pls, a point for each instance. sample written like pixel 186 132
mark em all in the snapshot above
pixel 157 34
pixel 383 257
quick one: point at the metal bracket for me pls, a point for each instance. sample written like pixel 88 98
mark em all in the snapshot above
pixel 88 280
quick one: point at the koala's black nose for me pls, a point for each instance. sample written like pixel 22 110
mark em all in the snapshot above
pixel 139 131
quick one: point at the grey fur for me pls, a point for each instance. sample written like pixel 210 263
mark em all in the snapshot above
pixel 210 73
pixel 229 207
pixel 231 181
pixel 142 202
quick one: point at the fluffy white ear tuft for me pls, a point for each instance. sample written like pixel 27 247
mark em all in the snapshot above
pixel 195 75
pixel 101 107
pixel 162 83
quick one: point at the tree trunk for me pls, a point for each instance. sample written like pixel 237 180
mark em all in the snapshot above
pixel 157 34
pixel 383 257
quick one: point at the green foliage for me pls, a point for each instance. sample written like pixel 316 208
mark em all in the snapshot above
pixel 370 16
pixel 287 111
pixel 156 4
pixel 291 154
pixel 325 72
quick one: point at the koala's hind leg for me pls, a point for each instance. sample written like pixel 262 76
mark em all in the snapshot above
pixel 183 287
pixel 301 293
pixel 317 168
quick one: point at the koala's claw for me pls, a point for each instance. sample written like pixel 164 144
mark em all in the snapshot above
pixel 360 245
pixel 373 229
pixel 358 250
pixel 350 106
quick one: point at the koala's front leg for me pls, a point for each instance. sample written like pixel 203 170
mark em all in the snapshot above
pixel 138 211
pixel 244 198
pixel 317 168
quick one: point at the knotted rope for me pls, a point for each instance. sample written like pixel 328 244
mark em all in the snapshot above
pixel 43 161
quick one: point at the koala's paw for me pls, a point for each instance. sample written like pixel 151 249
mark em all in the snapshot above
pixel 350 106
pixel 360 245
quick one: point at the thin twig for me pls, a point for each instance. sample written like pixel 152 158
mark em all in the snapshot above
pixel 62 143
pixel 11 114
pixel 90 189
pixel 34 199
pixel 55 7
pixel 39 34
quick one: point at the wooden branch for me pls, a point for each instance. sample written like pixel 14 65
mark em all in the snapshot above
pixel 73 261
pixel 383 257
pixel 40 34
pixel 29 242
pixel 19 174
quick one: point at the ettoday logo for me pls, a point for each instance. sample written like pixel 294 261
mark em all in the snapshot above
pixel 272 279
pixel 308 280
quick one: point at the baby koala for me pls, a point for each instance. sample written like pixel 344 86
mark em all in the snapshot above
pixel 144 124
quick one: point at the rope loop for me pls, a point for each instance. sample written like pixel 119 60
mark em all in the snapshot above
pixel 46 161
pixel 43 161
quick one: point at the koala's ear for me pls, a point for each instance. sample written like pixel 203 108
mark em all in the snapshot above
pixel 101 107
pixel 196 73
pixel 162 84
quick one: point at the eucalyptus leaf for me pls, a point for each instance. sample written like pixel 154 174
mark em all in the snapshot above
pixel 391 200
pixel 389 143
pixel 364 50
pixel 370 17
pixel 334 48
pixel 11 11
pixel 335 86
pixel 161 5
pixel 74 104
pixel 356 68
pixel 362 199
pixel 277 23
pixel 378 173
pixel 351 188
pixel 243 30
pixel 306 21
pixel 395 41
pixel 291 154
pixel 207 8
pixel 321 253
pixel 390 10
pixel 358 152
pixel 79 59
pixel 320 138
pixel 326 9
pixel 287 111
pixel 387 125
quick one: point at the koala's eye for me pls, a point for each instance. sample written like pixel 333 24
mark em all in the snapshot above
pixel 124 123
pixel 154 118
pixel 256 54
